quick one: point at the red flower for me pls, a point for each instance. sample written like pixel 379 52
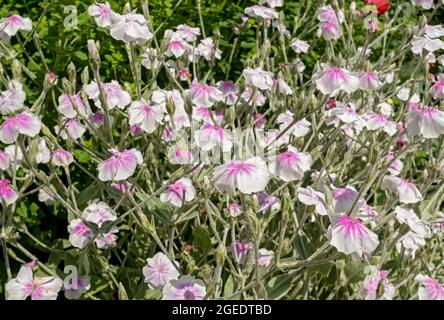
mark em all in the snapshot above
pixel 382 5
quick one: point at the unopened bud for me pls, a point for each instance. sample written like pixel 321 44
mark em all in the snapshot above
pixel 85 76
pixel 93 54
pixel 16 69
pixel 37 42
pixel 72 74
pixel 67 86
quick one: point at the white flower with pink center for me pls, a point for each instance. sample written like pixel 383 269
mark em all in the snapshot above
pixel 164 97
pixel 146 114
pixel 24 123
pixel 180 155
pixel 26 284
pixel 329 30
pixel 70 128
pixel 431 289
pixel 248 176
pixel 376 286
pixel 375 121
pixel 102 14
pixel 331 80
pixel 409 217
pixel 409 243
pixel 258 78
pixel 79 233
pixel 115 96
pixel 344 198
pixel 291 164
pixel 265 257
pixel 188 33
pixel 179 193
pixel 7 193
pixel 11 25
pixel 207 50
pixel 184 288
pixel 350 236
pixel 437 88
pixel 429 121
pixel 176 45
pixel 259 11
pixel 120 166
pixel 367 212
pixel 13 99
pixel 99 213
pixel 62 158
pixel 369 81
pixel 311 197
pixel 75 287
pixel 233 210
pixel 396 165
pixel 299 46
pixel 205 95
pixel 212 135
pixel 130 28
pixel 160 270
pixel 406 190
pixel 206 115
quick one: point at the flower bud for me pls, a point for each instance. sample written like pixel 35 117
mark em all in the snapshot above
pixel 94 54
pixel 16 69
pixel 72 74
pixel 67 86
pixel 85 76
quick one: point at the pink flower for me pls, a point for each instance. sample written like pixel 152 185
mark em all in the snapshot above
pixel 233 210
pixel 241 250
pixel 409 217
pixel 147 115
pixel 407 191
pixel 159 271
pixel 79 233
pixel 369 81
pixel 12 99
pixel 249 176
pixel 437 88
pixel 396 165
pixel 205 95
pixel 428 121
pixel 120 166
pixel 210 136
pixel 342 112
pixel 5 160
pixel 7 192
pixel 259 11
pixel 299 129
pixel 265 257
pixel 229 91
pixel 253 98
pixel 376 286
pixel 67 109
pixel 164 97
pixel 102 13
pixel 327 13
pixel 291 164
pixel 178 193
pixel 74 288
pixel 130 28
pixel 350 236
pixel 310 197
pixel 23 123
pixel 330 31
pixel 115 96
pixel 11 25
pixel 38 288
pixel 185 288
pixel 331 80
pixel 431 289
pixel 62 158
pixel 188 33
pixel 258 78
